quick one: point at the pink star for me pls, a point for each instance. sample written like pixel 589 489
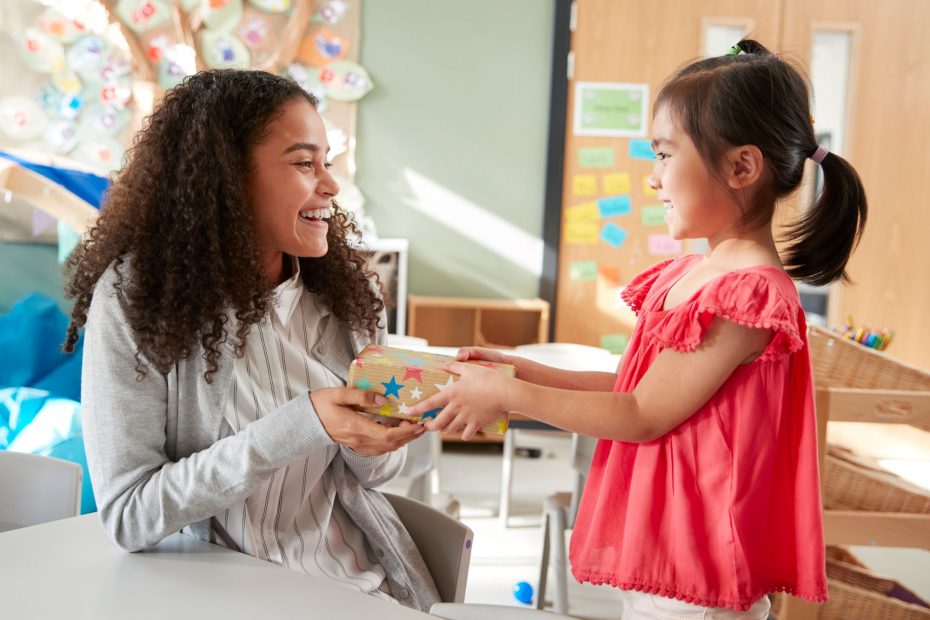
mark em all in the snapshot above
pixel 412 371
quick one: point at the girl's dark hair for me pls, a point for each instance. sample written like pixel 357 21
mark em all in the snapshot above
pixel 178 215
pixel 757 98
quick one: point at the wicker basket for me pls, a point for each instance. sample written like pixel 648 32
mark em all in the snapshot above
pixel 843 363
pixel 852 482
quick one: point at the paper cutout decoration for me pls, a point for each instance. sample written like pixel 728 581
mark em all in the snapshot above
pixel 40 51
pixel 59 27
pixel 142 15
pixel 59 105
pixel 596 157
pixel 61 136
pixel 616 183
pixel 647 188
pixel 101 120
pixel 583 271
pixel 331 12
pixel 584 185
pixel 309 80
pixel 21 118
pixel 614 206
pixel 222 50
pixel 610 109
pixel 663 245
pixel 222 15
pixel 322 47
pixel 607 288
pixel 41 221
pixel 653 215
pixel 641 149
pixel 613 235
pixel 101 152
pixel 67 241
pixel 178 61
pixel 586 212
pixel 581 232
pixel 345 81
pixel 87 56
pixel 272 6
pixel 254 31
pixel 67 81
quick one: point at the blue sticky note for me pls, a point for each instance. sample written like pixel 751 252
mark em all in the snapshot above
pixel 614 205
pixel 641 149
pixel 613 235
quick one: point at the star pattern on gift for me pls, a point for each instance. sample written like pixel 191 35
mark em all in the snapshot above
pixel 358 362
pixel 373 349
pixel 385 410
pixel 448 383
pixel 413 372
pixel 392 387
pixel 415 361
pixel 431 413
pixel 416 393
pixel 364 383
pixel 403 409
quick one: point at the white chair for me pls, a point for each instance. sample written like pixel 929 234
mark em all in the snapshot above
pixel 444 543
pixel 35 489
pixel 469 611
pixel 559 515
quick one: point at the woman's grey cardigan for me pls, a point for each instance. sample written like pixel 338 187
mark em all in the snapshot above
pixel 158 464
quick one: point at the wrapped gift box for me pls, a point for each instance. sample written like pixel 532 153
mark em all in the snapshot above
pixel 405 377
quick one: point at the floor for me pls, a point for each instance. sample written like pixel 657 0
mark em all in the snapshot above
pixel 501 556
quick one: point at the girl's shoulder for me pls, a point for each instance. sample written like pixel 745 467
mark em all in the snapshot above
pixel 634 294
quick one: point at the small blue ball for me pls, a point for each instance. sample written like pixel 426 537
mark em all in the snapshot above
pixel 523 592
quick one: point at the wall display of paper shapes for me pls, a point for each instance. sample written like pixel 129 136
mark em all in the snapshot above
pixel 61 136
pixel 21 118
pixel 221 16
pixel 40 51
pixel 60 27
pixel 331 12
pixel 143 15
pixel 321 47
pixel 345 81
pixel 273 6
pixel 222 50
pixel 101 152
pixel 177 62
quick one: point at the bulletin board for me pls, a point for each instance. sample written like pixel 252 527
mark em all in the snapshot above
pixel 612 224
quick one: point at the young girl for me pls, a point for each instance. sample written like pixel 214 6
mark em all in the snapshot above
pixel 223 305
pixel 703 494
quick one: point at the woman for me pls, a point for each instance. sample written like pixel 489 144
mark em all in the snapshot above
pixel 222 306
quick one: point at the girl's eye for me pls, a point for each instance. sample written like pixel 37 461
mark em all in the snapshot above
pixel 661 156
pixel 328 165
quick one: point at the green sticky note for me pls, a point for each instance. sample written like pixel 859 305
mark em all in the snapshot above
pixel 615 343
pixel 653 215
pixel 583 271
pixel 67 241
pixel 596 157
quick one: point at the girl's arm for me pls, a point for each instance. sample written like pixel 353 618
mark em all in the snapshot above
pixel 675 386
pixel 540 374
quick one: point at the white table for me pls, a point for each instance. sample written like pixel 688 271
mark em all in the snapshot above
pixel 70 569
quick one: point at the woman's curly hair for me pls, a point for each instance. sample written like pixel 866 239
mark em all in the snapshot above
pixel 178 214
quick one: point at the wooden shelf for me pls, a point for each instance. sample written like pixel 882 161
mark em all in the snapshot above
pixel 463 321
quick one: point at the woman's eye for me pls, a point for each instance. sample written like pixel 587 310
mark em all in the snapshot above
pixel 304 164
pixel 328 165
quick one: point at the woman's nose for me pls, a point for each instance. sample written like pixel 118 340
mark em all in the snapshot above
pixel 328 184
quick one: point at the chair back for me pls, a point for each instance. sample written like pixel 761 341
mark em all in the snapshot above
pixel 444 543
pixel 35 489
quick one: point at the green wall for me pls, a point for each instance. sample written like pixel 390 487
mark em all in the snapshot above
pixel 452 141
pixel 28 267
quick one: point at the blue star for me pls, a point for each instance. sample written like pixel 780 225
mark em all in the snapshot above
pixel 363 383
pixel 431 413
pixel 392 388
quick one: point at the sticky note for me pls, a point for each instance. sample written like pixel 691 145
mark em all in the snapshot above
pixel 581 232
pixel 613 235
pixel 610 275
pixel 583 270
pixel 661 245
pixel 582 213
pixel 641 149
pixel 614 205
pixel 584 185
pixel 653 215
pixel 616 183
pixel 596 157
pixel 615 343
pixel 647 189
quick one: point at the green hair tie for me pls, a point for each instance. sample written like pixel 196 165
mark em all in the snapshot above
pixel 736 50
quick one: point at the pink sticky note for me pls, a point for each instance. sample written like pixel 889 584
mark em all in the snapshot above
pixel 662 245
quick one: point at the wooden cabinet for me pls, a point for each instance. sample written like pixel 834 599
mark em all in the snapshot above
pixel 461 321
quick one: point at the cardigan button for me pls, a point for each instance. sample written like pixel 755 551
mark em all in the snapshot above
pixel 404 593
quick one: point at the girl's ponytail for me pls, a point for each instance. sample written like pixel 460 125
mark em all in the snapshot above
pixel 825 236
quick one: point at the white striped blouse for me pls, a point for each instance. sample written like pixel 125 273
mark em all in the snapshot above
pixel 293 519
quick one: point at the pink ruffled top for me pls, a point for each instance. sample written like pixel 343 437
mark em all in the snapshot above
pixel 725 508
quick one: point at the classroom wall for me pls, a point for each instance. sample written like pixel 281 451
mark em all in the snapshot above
pixel 452 141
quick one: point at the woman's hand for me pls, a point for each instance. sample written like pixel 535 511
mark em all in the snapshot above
pixel 475 399
pixel 338 408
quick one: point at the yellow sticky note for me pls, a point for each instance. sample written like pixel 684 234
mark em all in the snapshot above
pixel 647 190
pixel 582 213
pixel 616 183
pixel 581 232
pixel 584 185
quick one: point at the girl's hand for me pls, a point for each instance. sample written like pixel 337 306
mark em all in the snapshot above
pixel 338 408
pixel 481 353
pixel 468 404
